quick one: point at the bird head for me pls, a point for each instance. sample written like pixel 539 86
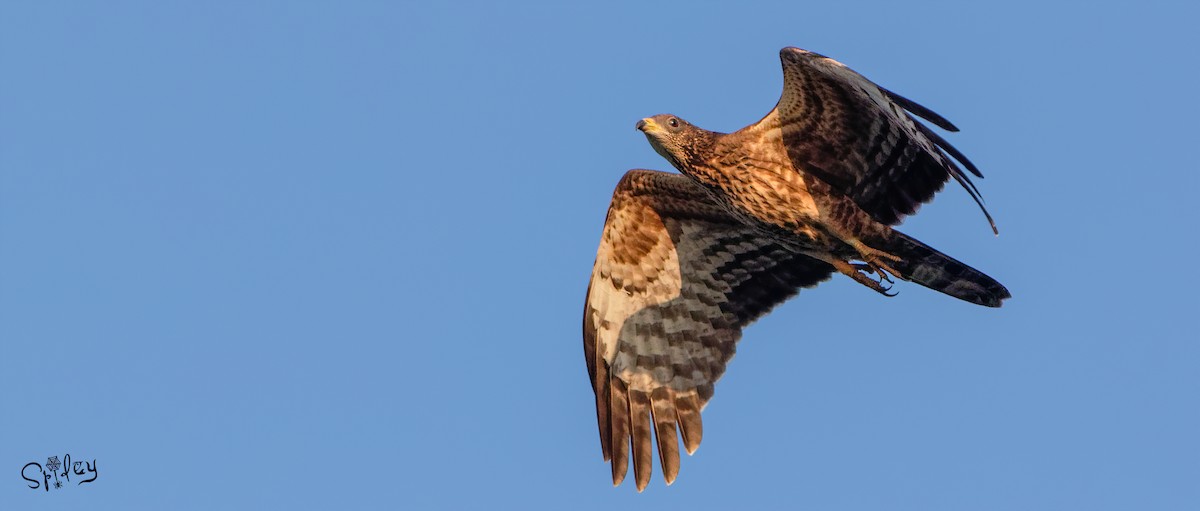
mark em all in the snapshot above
pixel 671 137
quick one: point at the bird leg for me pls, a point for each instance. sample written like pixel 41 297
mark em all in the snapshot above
pixel 859 272
pixel 873 260
pixel 873 270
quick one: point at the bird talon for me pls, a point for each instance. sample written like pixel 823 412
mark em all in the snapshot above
pixel 877 270
pixel 884 288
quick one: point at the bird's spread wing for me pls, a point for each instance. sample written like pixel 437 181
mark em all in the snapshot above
pixel 860 138
pixel 675 280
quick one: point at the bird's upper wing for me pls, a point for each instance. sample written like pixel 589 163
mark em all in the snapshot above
pixel 858 137
pixel 675 280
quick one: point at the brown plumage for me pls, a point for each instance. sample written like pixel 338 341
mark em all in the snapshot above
pixel 686 261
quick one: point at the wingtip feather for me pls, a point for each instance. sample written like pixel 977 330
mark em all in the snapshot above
pixel 665 418
pixel 920 111
pixel 619 422
pixel 639 415
pixel 687 407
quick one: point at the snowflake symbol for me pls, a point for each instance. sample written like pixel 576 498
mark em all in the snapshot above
pixel 58 484
pixel 52 463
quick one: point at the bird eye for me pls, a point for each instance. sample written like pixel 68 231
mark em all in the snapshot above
pixel 673 122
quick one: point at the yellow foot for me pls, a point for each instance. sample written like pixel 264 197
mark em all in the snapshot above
pixel 860 273
pixel 873 261
pixel 873 270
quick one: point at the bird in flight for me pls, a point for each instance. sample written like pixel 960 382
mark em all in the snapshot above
pixel 688 260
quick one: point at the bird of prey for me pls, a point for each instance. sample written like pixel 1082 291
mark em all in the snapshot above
pixel 687 260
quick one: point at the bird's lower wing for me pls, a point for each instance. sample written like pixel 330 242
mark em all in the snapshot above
pixel 676 278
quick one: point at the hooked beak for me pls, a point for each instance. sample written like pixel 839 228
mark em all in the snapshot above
pixel 646 125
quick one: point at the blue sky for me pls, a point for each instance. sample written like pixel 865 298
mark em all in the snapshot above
pixel 316 255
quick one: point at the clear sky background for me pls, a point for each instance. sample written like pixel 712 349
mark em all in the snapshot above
pixel 333 255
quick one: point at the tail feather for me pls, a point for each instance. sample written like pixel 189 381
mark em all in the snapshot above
pixel 922 264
